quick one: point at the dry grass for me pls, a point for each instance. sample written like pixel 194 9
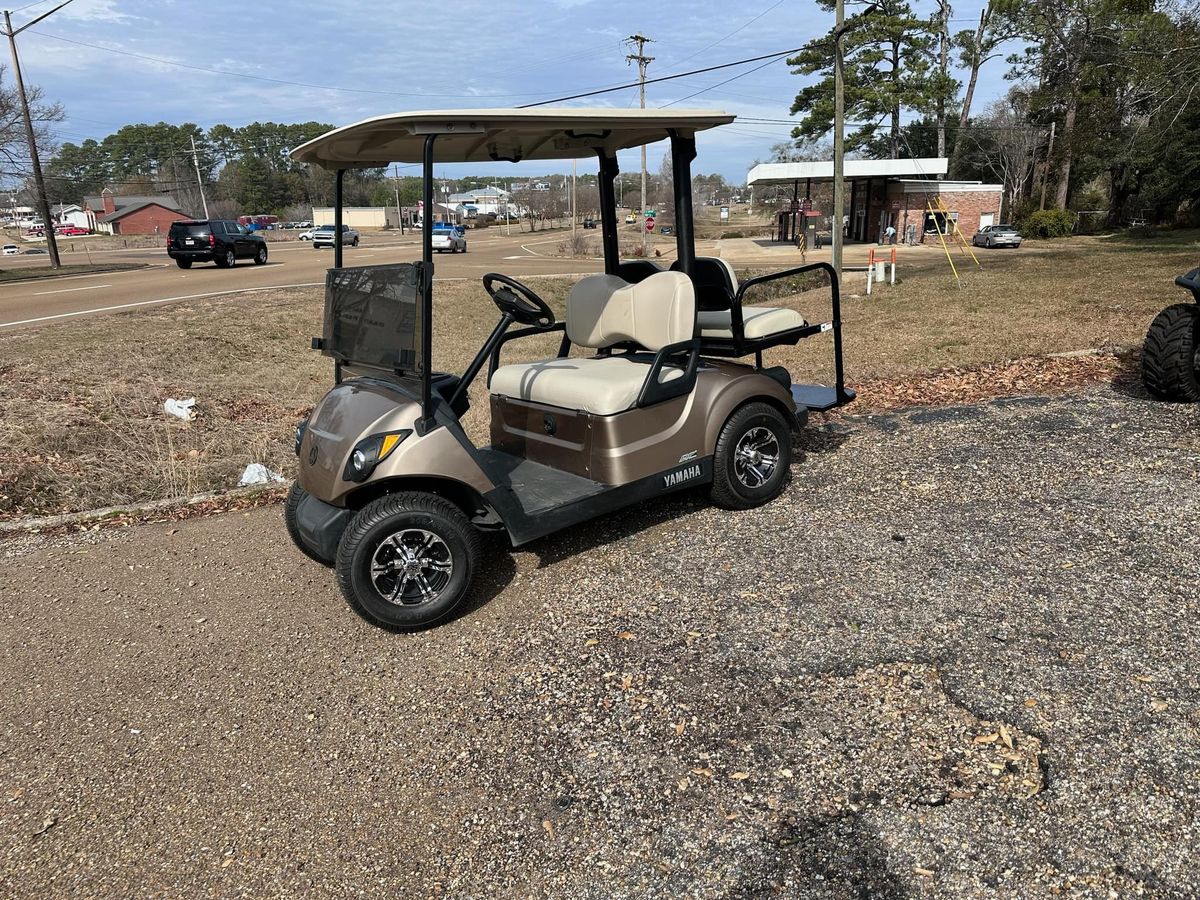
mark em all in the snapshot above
pixel 81 420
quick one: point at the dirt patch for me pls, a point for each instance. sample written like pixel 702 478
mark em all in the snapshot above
pixel 11 276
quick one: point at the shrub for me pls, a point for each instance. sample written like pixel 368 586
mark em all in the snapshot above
pixel 732 234
pixel 1048 223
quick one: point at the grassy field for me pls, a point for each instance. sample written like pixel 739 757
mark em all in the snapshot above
pixel 82 425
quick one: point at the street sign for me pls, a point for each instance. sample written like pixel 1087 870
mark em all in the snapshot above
pixel 724 212
pixel 806 204
pixel 649 223
pixel 650 213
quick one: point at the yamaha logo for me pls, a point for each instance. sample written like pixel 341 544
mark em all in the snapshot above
pixel 678 477
pixel 312 453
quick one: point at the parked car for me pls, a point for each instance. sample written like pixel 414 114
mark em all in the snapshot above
pixel 589 223
pixel 11 250
pixel 631 219
pixel 72 231
pixel 997 236
pixel 323 237
pixel 449 237
pixel 38 251
pixel 307 235
pixel 220 241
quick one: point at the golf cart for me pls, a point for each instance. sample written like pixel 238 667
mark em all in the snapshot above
pixel 393 494
pixel 1171 352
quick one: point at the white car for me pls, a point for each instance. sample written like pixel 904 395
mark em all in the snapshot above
pixel 324 235
pixel 11 250
pixel 449 237
pixel 307 235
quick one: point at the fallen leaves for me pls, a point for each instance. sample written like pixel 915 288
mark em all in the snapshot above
pixel 1027 375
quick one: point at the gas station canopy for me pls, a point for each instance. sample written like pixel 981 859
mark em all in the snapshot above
pixel 822 170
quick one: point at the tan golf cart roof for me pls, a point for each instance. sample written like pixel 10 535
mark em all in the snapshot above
pixel 479 135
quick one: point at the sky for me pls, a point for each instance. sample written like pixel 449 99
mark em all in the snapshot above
pixel 350 59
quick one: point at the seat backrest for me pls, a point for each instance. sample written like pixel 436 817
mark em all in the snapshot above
pixel 716 284
pixel 603 310
pixel 635 270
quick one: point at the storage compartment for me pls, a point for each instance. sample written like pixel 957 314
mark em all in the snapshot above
pixel 559 438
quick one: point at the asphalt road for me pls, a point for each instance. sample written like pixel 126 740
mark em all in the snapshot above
pixel 956 658
pixel 290 264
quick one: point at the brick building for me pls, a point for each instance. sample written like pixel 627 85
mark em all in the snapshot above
pixel 883 192
pixel 131 215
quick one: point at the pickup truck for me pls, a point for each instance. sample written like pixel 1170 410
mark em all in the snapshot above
pixel 323 237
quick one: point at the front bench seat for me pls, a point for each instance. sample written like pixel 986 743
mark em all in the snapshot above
pixel 603 310
pixel 716 287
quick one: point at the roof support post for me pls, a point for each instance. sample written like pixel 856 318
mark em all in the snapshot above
pixel 608 212
pixel 427 423
pixel 337 218
pixel 683 151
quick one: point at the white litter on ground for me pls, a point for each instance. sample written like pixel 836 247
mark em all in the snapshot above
pixel 257 473
pixel 181 409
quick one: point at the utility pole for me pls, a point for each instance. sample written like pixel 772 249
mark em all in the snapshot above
pixel 642 60
pixel 1046 165
pixel 199 180
pixel 573 174
pixel 839 138
pixel 38 182
pixel 840 30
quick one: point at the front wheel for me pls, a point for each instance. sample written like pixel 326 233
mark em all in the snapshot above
pixel 354 243
pixel 1171 354
pixel 753 454
pixel 407 559
pixel 260 258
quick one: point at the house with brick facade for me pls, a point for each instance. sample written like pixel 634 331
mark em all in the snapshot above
pixel 907 194
pixel 131 215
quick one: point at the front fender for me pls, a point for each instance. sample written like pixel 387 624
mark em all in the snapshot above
pixel 361 407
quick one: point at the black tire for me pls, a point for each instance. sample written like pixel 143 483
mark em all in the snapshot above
pixel 260 258
pixel 295 495
pixel 1171 354
pixel 757 428
pixel 183 263
pixel 400 514
pixel 354 243
pixel 226 260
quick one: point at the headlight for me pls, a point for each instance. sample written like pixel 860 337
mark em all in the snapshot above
pixel 300 429
pixel 370 452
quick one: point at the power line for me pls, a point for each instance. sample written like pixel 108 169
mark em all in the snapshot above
pixel 718 84
pixel 742 27
pixel 773 57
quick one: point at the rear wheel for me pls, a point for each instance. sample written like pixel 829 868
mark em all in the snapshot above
pixel 260 258
pixel 406 560
pixel 226 259
pixel 183 263
pixel 753 454
pixel 1171 354
pixel 295 495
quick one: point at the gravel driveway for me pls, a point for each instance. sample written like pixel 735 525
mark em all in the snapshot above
pixel 958 658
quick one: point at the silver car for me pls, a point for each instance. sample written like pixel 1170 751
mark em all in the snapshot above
pixel 997 236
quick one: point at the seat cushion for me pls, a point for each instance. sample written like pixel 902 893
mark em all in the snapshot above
pixel 603 310
pixel 757 322
pixel 599 386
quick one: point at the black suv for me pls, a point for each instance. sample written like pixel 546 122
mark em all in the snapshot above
pixel 215 240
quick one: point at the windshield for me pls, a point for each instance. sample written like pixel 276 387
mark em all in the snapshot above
pixel 372 316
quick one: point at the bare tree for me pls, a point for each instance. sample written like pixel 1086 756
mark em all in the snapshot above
pixel 14 148
pixel 1005 144
pixel 978 47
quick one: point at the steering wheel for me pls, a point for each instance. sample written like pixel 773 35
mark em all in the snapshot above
pixel 518 300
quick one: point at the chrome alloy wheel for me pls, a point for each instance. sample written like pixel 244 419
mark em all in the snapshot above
pixel 756 457
pixel 411 567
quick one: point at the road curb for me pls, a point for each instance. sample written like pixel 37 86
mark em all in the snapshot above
pixel 45 523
